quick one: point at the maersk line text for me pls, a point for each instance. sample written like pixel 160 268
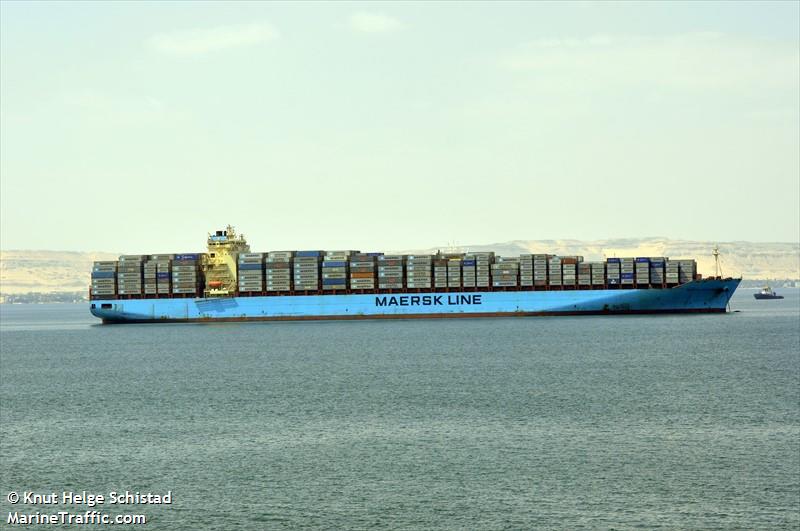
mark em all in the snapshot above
pixel 428 300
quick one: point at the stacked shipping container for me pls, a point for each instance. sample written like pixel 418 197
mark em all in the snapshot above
pixel 251 272
pixel 672 271
pixel 584 274
pixel 157 263
pixel 334 270
pixel 626 271
pixel 306 270
pixel 657 269
pixel 129 274
pixel 138 275
pixel 468 271
pixel 454 272
pixel 642 270
pixel 149 270
pixel 185 274
pixel 540 269
pixel 362 271
pixel 554 270
pixel 526 270
pixel 483 263
pixel 104 278
pixel 418 271
pixel 163 263
pixel 569 270
pixel 440 272
pixel 505 272
pixel 614 271
pixel 687 271
pixel 598 271
pixel 390 272
pixel 278 270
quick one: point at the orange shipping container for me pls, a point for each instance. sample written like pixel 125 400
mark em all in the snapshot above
pixel 362 275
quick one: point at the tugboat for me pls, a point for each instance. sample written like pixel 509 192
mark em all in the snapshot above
pixel 767 293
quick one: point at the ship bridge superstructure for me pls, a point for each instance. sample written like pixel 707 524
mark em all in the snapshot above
pixel 219 264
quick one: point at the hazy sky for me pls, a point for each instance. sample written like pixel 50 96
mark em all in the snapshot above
pixel 139 127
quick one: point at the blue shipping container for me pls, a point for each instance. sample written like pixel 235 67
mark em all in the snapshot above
pixel 374 254
pixel 185 257
pixel 614 260
pixel 257 267
pixel 162 275
pixel 642 260
pixel 334 281
pixel 307 253
pixel 103 274
pixel 627 275
pixel 334 264
pixel 468 262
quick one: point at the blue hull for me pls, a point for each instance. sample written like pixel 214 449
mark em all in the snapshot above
pixel 704 296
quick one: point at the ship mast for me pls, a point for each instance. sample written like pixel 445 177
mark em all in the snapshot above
pixel 717 266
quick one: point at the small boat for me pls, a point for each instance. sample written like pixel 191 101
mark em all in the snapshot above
pixel 767 293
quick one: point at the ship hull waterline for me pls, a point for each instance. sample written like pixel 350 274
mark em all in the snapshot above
pixel 704 296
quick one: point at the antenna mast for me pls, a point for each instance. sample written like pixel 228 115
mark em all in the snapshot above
pixel 717 266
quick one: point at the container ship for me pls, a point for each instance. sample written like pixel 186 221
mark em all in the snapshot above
pixel 231 283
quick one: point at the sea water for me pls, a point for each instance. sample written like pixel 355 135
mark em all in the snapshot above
pixel 685 421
